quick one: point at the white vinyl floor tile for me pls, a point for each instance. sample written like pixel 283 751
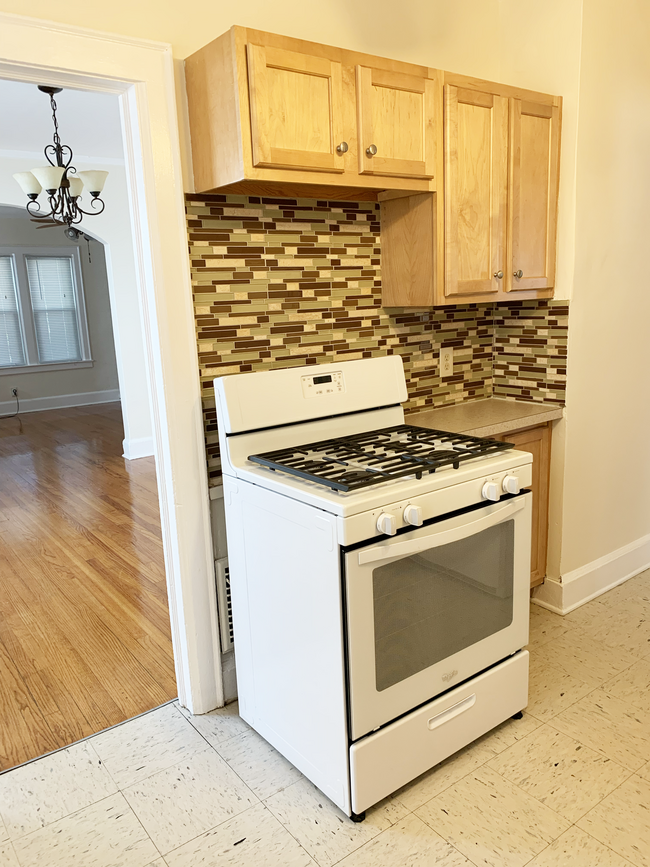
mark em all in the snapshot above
pixel 609 726
pixel 39 793
pixel 8 856
pixel 491 821
pixel 622 821
pixel 410 842
pixel 560 772
pixel 551 690
pixel 579 654
pixel 261 767
pixel 544 627
pixel 139 748
pixel 106 834
pixel 632 685
pixel 255 838
pixel 218 725
pixel 181 802
pixel 322 829
pixel 577 849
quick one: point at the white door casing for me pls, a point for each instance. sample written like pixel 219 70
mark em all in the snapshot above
pixel 141 73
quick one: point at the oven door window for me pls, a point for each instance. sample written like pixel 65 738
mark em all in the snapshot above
pixel 431 605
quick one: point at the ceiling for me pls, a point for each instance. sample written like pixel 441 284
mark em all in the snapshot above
pixel 89 122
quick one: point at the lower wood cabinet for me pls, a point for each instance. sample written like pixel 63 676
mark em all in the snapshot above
pixel 537 441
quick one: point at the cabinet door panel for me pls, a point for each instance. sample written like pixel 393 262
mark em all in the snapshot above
pixel 400 115
pixel 534 166
pixel 296 110
pixel 476 179
pixel 537 441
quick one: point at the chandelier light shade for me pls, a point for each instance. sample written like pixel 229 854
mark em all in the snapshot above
pixel 62 183
pixel 30 186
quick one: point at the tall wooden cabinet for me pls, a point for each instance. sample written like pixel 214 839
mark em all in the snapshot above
pixel 495 220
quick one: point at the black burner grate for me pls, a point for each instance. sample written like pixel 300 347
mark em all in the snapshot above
pixel 353 462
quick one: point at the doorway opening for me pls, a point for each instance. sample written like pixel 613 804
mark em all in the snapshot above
pixel 85 640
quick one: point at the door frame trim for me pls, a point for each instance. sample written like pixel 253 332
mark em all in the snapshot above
pixel 141 73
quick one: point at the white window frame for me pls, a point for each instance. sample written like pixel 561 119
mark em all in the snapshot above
pixel 18 255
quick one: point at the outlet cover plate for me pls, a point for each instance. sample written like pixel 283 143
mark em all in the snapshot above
pixel 446 361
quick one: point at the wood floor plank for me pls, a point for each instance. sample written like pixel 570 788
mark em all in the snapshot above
pixel 85 640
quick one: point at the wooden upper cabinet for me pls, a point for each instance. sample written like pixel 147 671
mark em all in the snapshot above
pixel 476 192
pixel 399 118
pixel 534 158
pixel 296 110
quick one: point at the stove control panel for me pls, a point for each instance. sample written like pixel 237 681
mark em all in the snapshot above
pixel 319 385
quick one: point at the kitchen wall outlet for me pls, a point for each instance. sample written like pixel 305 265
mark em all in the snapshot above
pixel 14 391
pixel 446 361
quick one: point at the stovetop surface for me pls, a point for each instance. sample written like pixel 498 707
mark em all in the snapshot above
pixel 352 462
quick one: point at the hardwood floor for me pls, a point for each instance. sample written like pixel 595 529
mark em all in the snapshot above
pixel 84 625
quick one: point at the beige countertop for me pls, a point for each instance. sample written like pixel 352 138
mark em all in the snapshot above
pixel 485 418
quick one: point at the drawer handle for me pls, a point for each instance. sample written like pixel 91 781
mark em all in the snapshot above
pixel 451 712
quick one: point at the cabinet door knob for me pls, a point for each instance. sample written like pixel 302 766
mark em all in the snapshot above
pixel 372 150
pixel 518 274
pixel 498 274
pixel 342 148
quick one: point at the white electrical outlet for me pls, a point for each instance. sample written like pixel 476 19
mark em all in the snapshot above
pixel 446 361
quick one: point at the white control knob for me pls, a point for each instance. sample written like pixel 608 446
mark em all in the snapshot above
pixel 413 516
pixel 491 491
pixel 387 523
pixel 510 485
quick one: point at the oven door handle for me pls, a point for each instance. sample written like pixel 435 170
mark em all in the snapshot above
pixel 439 536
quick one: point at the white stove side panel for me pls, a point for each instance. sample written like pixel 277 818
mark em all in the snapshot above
pixel 286 600
pixel 250 401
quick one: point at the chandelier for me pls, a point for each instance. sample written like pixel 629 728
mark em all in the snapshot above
pixel 61 182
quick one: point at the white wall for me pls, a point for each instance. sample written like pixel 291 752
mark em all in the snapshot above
pixel 607 479
pixel 61 386
pixel 113 229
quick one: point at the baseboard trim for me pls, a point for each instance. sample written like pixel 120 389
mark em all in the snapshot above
pixel 137 447
pixel 586 583
pixel 60 401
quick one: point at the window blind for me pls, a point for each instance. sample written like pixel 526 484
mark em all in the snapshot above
pixel 11 339
pixel 54 304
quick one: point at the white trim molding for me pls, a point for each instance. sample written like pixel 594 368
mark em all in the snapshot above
pixel 59 401
pixel 141 72
pixel 586 583
pixel 137 447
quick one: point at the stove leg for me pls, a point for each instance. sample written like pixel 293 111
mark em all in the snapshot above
pixel 358 817
pixel 518 715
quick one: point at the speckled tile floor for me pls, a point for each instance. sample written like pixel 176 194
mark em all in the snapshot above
pixel 569 784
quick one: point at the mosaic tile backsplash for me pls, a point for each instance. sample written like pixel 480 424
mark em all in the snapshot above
pixel 283 282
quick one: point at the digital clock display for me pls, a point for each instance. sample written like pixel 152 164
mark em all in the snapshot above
pixel 319 380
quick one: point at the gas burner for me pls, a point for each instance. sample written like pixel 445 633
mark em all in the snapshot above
pixel 349 463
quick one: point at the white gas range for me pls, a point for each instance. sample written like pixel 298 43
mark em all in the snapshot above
pixel 379 575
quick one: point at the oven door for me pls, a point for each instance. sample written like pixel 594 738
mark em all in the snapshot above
pixel 430 608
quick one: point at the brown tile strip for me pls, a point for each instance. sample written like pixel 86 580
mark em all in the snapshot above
pixel 284 282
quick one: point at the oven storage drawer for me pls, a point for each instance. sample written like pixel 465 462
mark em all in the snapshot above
pixel 383 762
